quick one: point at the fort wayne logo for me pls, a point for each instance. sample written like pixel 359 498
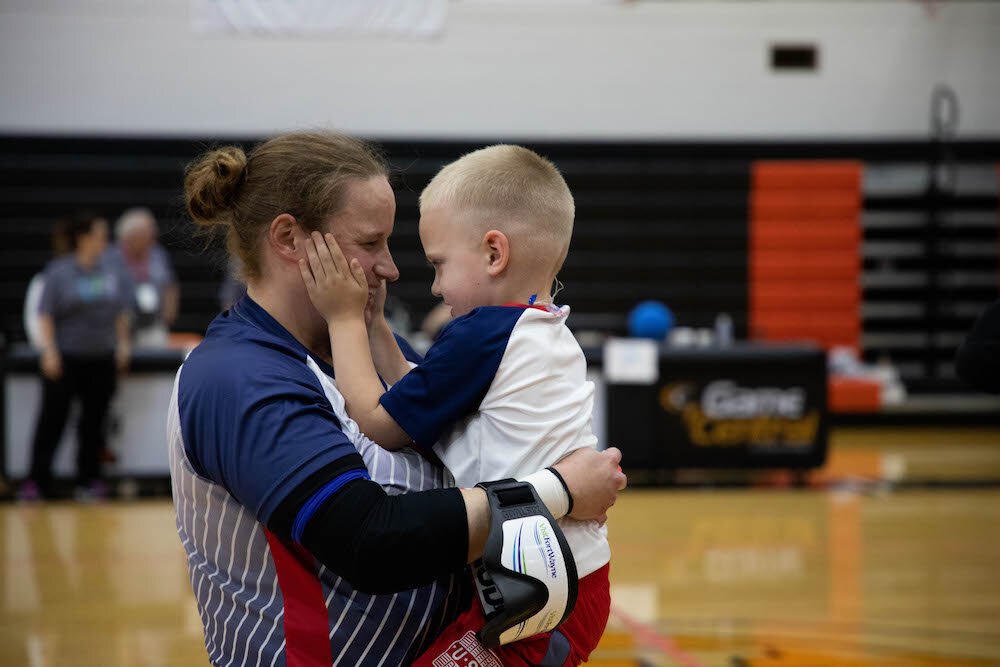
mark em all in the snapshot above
pixel 724 414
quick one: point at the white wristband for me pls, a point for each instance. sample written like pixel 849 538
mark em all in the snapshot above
pixel 550 490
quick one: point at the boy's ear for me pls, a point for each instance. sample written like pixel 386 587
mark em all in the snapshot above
pixel 497 248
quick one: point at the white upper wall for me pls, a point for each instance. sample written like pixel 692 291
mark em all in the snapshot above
pixel 646 70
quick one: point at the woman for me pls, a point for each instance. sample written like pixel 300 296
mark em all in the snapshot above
pixel 303 541
pixel 83 331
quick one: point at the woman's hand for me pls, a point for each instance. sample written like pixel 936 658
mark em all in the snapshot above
pixel 51 364
pixel 337 288
pixel 594 480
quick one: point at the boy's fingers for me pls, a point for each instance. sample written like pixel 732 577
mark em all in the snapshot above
pixel 359 273
pixel 323 252
pixel 314 263
pixel 338 256
pixel 307 276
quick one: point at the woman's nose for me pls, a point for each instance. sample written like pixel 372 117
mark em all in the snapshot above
pixel 386 269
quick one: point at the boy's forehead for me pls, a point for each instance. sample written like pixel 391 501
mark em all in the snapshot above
pixel 432 218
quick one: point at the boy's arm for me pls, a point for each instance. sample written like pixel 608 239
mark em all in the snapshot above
pixel 359 383
pixel 390 363
pixel 339 290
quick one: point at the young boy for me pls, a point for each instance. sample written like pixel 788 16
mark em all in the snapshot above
pixel 503 390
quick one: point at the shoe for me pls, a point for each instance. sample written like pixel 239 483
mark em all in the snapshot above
pixel 29 492
pixel 95 491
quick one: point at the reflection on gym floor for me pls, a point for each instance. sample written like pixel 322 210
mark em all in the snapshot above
pixel 742 577
pixel 848 574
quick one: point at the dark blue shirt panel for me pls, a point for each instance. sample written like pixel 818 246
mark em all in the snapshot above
pixel 254 417
pixel 452 380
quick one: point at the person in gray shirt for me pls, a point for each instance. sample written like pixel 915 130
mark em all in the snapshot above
pixel 84 331
pixel 145 264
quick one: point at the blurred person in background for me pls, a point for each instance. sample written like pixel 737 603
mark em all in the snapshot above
pixel 83 327
pixel 232 288
pixel 33 295
pixel 435 320
pixel 146 266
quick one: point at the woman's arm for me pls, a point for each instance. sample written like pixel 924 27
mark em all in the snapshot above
pixel 51 361
pixel 171 303
pixel 359 531
pixel 123 342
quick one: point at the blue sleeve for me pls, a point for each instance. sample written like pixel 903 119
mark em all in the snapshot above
pixel 451 381
pixel 257 424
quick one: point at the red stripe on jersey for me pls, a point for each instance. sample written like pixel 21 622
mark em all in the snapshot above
pixel 307 626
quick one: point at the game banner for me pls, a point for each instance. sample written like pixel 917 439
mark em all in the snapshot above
pixel 744 407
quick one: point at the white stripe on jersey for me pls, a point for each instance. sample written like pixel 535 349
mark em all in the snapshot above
pixel 260 619
pixel 350 641
pixel 208 600
pixel 236 633
pixel 278 618
pixel 201 572
pixel 229 577
pixel 347 605
pixel 378 630
pixel 277 654
pixel 395 637
pixel 236 595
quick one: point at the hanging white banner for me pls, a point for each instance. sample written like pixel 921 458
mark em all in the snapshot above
pixel 408 18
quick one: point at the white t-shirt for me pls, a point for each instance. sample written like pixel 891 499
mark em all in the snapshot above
pixel 503 393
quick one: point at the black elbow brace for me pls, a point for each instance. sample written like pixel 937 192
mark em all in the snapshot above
pixel 386 544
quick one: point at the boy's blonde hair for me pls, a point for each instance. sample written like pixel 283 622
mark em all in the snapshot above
pixel 509 183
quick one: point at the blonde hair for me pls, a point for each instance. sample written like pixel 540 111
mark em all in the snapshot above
pixel 509 183
pixel 304 174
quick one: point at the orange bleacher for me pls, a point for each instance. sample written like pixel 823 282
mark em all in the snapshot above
pixel 805 262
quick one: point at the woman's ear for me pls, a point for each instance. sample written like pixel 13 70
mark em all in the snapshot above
pixel 497 248
pixel 285 237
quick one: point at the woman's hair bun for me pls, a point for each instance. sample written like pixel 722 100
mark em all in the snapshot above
pixel 211 184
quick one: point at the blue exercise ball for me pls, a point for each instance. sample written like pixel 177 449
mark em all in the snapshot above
pixel 650 319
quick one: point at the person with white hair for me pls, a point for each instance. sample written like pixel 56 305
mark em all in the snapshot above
pixel 147 267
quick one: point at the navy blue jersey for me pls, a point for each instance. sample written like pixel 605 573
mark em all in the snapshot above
pixel 252 416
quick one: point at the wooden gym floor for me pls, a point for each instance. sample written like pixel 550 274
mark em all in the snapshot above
pixel 890 558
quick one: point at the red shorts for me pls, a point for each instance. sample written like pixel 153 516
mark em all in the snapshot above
pixel 458 646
